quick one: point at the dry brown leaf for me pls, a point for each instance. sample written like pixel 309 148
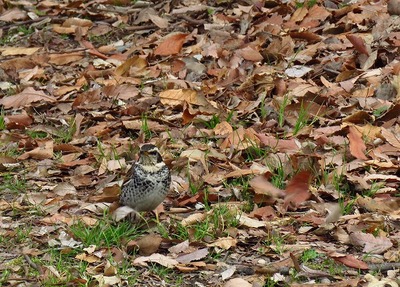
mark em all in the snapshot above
pixel 241 139
pixel 88 257
pixel 18 121
pixel 261 185
pixel 250 222
pixel 223 128
pixel 156 258
pixel 349 260
pixel 224 243
pixel 357 145
pixel 193 218
pixel 264 213
pixel 67 58
pixel 250 54
pixel 292 145
pixel 170 45
pixel 193 256
pixel 179 97
pixel 13 51
pixel 12 15
pixel 43 151
pixel 64 188
pixel 136 64
pixel 148 244
pixel 237 282
pixel 297 191
pixel 391 138
pixel 180 247
pixel 358 44
pixel 158 21
pixel 371 244
pixel 26 97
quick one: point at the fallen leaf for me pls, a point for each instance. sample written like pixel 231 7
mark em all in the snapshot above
pixel 357 145
pixel 224 243
pixel 156 258
pixel 349 260
pixel 297 191
pixel 193 256
pixel 371 244
pixel 179 97
pixel 171 44
pixel 27 96
pixel 148 244
pixel 237 282
pixel 43 151
pixel 358 44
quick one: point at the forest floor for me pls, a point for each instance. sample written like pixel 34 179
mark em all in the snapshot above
pixel 279 120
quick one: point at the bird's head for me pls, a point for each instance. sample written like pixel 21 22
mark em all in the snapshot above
pixel 150 157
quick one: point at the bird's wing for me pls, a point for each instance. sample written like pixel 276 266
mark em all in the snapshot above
pixel 128 176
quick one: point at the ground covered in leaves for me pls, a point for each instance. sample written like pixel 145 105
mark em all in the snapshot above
pixel 280 122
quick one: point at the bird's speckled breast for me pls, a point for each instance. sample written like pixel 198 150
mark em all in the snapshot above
pixel 146 190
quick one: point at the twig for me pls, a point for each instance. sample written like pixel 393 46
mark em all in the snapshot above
pixel 33 264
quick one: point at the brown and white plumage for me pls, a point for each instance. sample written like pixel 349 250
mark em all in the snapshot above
pixel 148 181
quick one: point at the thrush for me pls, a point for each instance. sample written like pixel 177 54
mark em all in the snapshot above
pixel 148 181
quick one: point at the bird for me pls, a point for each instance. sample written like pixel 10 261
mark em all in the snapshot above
pixel 148 181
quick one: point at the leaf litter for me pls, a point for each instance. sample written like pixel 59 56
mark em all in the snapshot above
pixel 279 121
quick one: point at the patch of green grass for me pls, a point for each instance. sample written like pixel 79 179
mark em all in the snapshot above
pixel 6 39
pixel 4 275
pixel 242 186
pixel 230 116
pixel 212 122
pixel 194 186
pixel 105 233
pixel 170 277
pixel 276 242
pixel 13 183
pixel 263 108
pixel 309 255
pixel 378 112
pixel 270 282
pixel 215 225
pixel 66 133
pixel 36 134
pixel 278 175
pixel 24 30
pixel 175 230
pixel 342 186
pixel 128 273
pixel 100 39
pixel 3 125
pixel 254 153
pixel 13 151
pixel 306 3
pixel 64 263
pixel 145 128
pixel 14 34
pixel 302 119
pixel 375 187
pixel 21 235
pixel 281 111
pixel 242 182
